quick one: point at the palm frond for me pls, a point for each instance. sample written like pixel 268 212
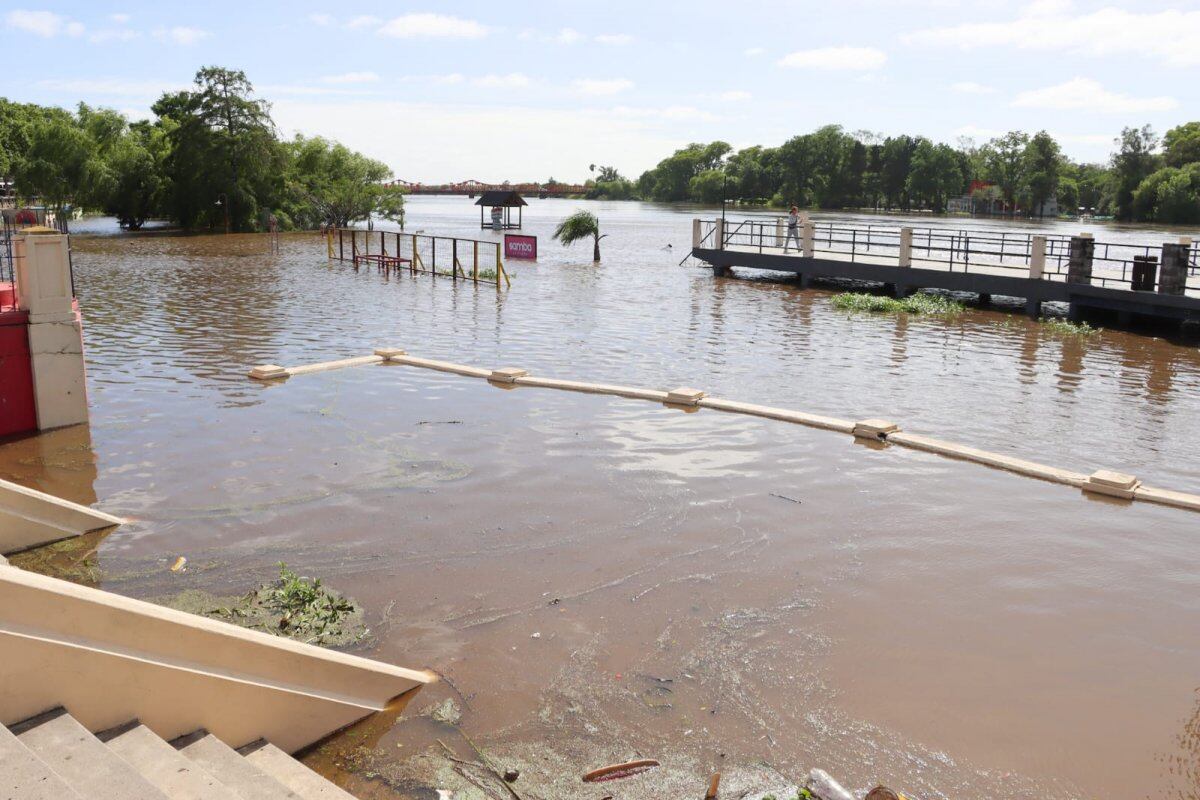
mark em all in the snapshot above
pixel 580 225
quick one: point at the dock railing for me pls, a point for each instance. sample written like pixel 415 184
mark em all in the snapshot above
pixel 946 249
pixel 453 257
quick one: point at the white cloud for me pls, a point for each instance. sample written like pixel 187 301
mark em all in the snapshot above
pixel 113 35
pixel 120 19
pixel 42 23
pixel 513 80
pixel 362 21
pixel 754 52
pixel 568 36
pixel 433 26
pixel 450 79
pixel 112 87
pixel 731 96
pixel 1088 95
pixel 836 58
pixel 180 34
pixel 614 39
pixel 602 87
pixel 1051 25
pixel 971 87
pixel 351 77
pixel 324 20
pixel 561 142
pixel 673 113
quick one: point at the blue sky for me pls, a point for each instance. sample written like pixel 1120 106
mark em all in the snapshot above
pixel 529 90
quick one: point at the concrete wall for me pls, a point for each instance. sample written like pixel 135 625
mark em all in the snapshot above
pixel 109 659
pixel 29 518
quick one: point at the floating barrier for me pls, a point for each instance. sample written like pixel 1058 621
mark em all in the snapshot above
pixel 1103 482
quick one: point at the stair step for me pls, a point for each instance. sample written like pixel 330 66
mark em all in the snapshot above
pixel 175 775
pixel 82 760
pixel 24 776
pixel 291 773
pixel 226 765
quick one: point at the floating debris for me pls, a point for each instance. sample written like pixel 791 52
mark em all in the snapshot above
pixel 625 770
pixel 180 564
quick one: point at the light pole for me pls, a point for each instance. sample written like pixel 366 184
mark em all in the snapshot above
pixel 223 201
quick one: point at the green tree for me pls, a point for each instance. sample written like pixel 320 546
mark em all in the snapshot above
pixel 61 165
pixel 223 148
pixel 895 164
pixel 329 184
pixel 1170 195
pixel 1004 164
pixel 708 187
pixel 580 225
pixel 1181 145
pixel 137 183
pixel 935 175
pixel 1133 162
pixel 1040 171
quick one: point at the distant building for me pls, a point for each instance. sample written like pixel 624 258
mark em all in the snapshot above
pixel 983 198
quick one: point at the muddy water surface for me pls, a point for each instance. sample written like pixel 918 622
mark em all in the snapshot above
pixel 600 578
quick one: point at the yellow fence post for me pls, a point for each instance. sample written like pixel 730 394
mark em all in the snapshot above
pixel 329 242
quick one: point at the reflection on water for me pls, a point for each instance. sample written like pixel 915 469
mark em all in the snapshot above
pixel 885 614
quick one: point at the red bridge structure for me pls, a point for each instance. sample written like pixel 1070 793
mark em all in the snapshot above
pixel 472 187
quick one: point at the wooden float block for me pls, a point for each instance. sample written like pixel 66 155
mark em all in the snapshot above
pixel 875 429
pixel 268 372
pixel 997 460
pixel 507 374
pixel 1112 484
pixel 1166 497
pixel 388 353
pixel 685 396
pixel 781 414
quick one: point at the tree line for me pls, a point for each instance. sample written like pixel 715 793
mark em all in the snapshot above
pixel 211 156
pixel 1146 179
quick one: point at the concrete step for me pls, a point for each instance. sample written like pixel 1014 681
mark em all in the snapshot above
pixel 24 776
pixel 230 768
pixel 82 760
pixel 175 775
pixel 291 773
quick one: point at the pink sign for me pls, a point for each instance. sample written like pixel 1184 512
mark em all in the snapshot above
pixel 517 245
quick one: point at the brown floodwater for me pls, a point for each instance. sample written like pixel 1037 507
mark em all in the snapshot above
pixel 602 578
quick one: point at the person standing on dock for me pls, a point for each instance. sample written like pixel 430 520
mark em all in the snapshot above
pixel 793 230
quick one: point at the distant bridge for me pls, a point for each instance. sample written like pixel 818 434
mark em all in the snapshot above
pixel 470 188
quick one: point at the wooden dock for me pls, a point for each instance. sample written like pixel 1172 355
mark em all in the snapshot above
pixel 1150 280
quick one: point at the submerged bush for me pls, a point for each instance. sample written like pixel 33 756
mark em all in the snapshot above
pixel 1065 327
pixel 913 304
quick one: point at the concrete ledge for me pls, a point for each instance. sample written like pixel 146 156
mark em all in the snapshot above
pixel 442 366
pixel 594 388
pixel 878 429
pixel 507 374
pixel 996 460
pixel 324 366
pixel 685 396
pixel 781 414
pixel 1166 497
pixel 109 658
pixel 1111 484
pixel 29 518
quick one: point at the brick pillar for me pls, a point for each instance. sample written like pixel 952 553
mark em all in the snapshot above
pixel 44 290
pixel 1079 265
pixel 1172 274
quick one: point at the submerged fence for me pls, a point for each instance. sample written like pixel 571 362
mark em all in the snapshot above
pixel 1037 256
pixel 475 260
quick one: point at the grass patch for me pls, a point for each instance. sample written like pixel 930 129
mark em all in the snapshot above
pixel 917 303
pixel 1064 327
pixel 294 606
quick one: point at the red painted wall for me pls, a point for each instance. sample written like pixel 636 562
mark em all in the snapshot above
pixel 17 410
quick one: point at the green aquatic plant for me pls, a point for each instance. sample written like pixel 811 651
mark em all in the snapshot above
pixel 1064 327
pixel 306 609
pixel 926 304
